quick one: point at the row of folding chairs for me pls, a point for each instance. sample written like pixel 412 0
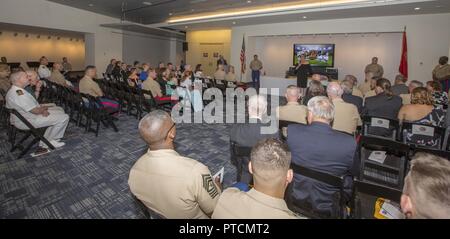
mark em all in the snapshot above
pixel 84 110
pixel 396 131
pixel 375 180
pixel 132 100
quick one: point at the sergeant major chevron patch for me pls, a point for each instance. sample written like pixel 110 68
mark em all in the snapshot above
pixel 209 185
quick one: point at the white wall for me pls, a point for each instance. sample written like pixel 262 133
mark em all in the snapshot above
pixel 23 49
pixel 428 37
pixel 352 53
pixel 151 49
pixel 41 13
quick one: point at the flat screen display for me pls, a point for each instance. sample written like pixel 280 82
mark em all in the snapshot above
pixel 321 55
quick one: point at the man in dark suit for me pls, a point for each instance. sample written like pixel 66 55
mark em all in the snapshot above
pixel 400 87
pixel 317 146
pixel 247 135
pixel 222 61
pixel 349 97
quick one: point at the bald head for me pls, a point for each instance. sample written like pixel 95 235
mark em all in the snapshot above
pixel 334 90
pixel 157 130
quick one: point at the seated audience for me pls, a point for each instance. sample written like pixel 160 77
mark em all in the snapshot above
pixel 319 147
pixel 153 86
pixel 373 85
pixel 170 67
pixel 39 116
pixel 124 72
pixel 406 98
pixel 231 75
pixel 163 78
pixel 110 67
pixel 133 78
pixel 57 77
pixel 346 116
pixel 422 111
pixel 440 98
pixel 3 60
pixel 426 193
pixel 190 92
pixel 315 89
pixel 349 96
pixel 353 81
pixel 384 104
pixel 66 66
pixel 5 84
pixel 220 74
pixel 90 87
pixel 167 183
pixel 400 87
pixel 292 111
pixel 34 87
pixel 248 134
pixel 269 166
pixel 198 72
pixel 43 71
pixel 116 70
pixel 144 73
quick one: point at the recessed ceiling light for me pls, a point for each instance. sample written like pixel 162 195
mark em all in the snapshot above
pixel 170 14
pixel 192 10
pixel 417 8
pixel 234 23
pixel 249 1
pixel 186 27
pixel 147 3
pixel 438 6
pixel 304 17
pixel 91 5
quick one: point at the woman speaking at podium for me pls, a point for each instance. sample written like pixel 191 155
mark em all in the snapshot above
pixel 303 70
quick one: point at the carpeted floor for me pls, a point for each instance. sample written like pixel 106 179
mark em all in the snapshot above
pixel 88 177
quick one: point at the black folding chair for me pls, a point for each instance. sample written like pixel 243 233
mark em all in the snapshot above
pixel 425 133
pixel 446 143
pixel 364 197
pixel 3 111
pixel 283 125
pixel 390 172
pixel 98 115
pixel 380 127
pixel 149 103
pixel 37 133
pixel 240 157
pixel 339 198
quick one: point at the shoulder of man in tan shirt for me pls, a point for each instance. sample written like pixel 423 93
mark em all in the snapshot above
pixel 57 78
pixel 90 87
pixel 255 65
pixel 406 98
pixel 174 186
pixel 357 92
pixel 346 118
pixel 230 77
pixel 364 87
pixel 152 86
pixel 442 71
pixel 293 111
pixel 235 204
pixel 219 75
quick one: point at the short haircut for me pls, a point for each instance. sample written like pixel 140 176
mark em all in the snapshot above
pixel 257 105
pixel 443 60
pixel 334 89
pixel 16 76
pixel 435 85
pixel 416 83
pixel 401 78
pixel 428 186
pixel 316 88
pixel 351 78
pixel 270 160
pixel 150 127
pixel 347 86
pixel 293 90
pixel 421 96
pixel 321 107
pixel 90 67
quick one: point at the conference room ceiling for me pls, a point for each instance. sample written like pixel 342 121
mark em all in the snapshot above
pixel 157 13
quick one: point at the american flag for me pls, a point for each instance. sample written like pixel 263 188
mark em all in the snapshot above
pixel 243 65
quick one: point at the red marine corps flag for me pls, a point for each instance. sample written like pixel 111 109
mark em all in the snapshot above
pixel 403 69
pixel 243 65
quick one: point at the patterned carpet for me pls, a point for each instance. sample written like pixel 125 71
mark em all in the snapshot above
pixel 88 177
